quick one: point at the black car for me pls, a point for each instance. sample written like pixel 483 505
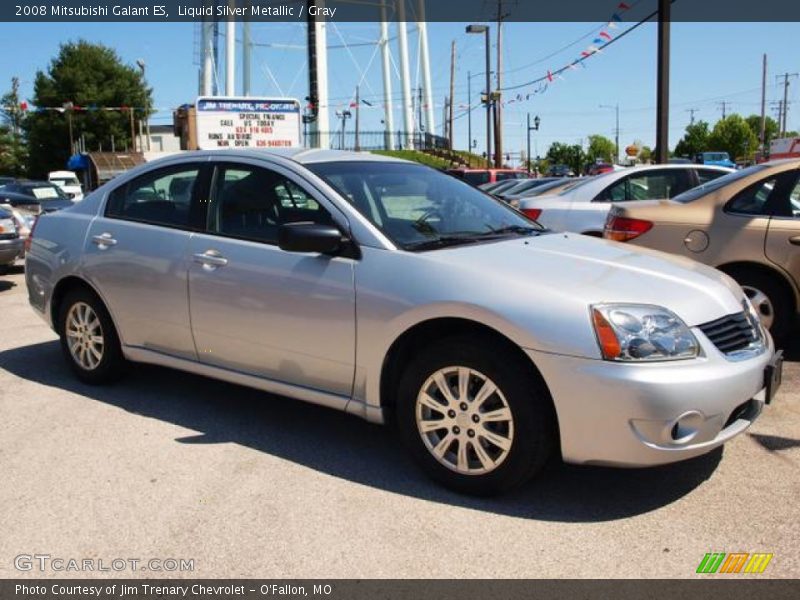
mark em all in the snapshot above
pixel 47 195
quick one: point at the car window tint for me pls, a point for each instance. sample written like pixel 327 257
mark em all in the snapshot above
pixel 655 186
pixel 753 199
pixel 161 197
pixel 706 175
pixel 477 177
pixel 252 202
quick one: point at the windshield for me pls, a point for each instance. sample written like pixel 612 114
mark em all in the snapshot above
pixel 419 208
pixel 715 184
pixel 65 181
pixel 45 192
pixel 716 156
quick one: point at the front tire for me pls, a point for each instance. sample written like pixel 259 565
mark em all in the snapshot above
pixel 89 339
pixel 475 417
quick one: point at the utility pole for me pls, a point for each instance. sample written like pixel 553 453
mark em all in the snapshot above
pixel 724 106
pixel 469 112
pixel 691 112
pixel 358 119
pixel 662 110
pixel 498 103
pixel 782 122
pixel 452 92
pixel 763 132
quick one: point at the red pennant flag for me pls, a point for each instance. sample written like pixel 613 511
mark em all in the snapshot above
pixel 23 106
pixel 549 76
pixel 605 35
pixel 623 6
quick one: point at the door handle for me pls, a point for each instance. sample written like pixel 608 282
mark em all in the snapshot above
pixel 104 240
pixel 795 240
pixel 210 259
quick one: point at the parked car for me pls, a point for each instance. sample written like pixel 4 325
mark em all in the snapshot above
pixel 10 242
pixel 560 171
pixel 719 159
pixel 523 186
pixel 49 196
pixel 68 182
pixel 746 224
pixel 501 186
pixel 5 180
pixel 401 292
pixel 480 176
pixel 21 202
pixel 583 207
pixel 555 186
pixel 599 169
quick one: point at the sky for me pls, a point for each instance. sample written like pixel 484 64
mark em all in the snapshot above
pixel 711 63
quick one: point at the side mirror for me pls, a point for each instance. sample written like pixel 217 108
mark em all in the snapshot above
pixel 309 237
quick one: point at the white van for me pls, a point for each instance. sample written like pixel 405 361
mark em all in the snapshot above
pixel 68 182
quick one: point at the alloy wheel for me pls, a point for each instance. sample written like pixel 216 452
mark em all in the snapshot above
pixel 84 336
pixel 464 420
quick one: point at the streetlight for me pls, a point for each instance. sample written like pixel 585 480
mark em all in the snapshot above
pixel 616 130
pixel 536 122
pixel 141 64
pixel 484 29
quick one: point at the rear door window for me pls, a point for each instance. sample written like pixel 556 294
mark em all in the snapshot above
pixel 161 197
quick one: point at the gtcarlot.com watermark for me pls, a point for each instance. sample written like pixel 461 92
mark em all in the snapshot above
pixel 57 564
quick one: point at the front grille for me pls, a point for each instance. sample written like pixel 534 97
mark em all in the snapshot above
pixel 731 333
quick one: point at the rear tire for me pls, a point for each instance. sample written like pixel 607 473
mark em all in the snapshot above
pixel 89 339
pixel 772 302
pixel 467 437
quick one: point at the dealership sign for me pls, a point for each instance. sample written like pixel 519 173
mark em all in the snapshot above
pixel 247 123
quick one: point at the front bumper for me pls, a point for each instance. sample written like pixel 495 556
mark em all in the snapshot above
pixel 637 415
pixel 10 250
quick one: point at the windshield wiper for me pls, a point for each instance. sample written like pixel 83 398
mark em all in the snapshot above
pixel 519 229
pixel 444 241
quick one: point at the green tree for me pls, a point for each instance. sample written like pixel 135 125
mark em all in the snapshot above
pixel 771 128
pixel 734 136
pixel 90 77
pixel 646 154
pixel 564 154
pixel 13 151
pixel 601 148
pixel 694 140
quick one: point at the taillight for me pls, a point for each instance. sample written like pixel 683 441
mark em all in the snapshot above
pixel 532 213
pixel 623 229
pixel 29 239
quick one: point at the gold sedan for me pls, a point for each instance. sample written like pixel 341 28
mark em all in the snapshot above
pixel 746 224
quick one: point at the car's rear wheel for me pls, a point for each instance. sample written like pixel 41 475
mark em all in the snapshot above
pixel 771 301
pixel 475 417
pixel 88 338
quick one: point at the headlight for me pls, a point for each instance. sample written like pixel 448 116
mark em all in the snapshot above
pixel 640 332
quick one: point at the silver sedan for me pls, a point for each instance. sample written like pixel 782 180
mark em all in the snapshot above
pixel 583 207
pixel 396 293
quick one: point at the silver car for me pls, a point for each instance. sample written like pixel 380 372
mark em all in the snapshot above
pixel 583 207
pixel 396 293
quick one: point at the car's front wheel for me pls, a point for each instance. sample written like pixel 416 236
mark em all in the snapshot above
pixel 475 416
pixel 89 340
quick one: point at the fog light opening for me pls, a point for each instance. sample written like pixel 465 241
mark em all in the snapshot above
pixel 685 427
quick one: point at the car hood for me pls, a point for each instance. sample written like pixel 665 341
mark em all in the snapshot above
pixel 563 273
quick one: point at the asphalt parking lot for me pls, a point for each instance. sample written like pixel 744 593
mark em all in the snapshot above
pixel 170 465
